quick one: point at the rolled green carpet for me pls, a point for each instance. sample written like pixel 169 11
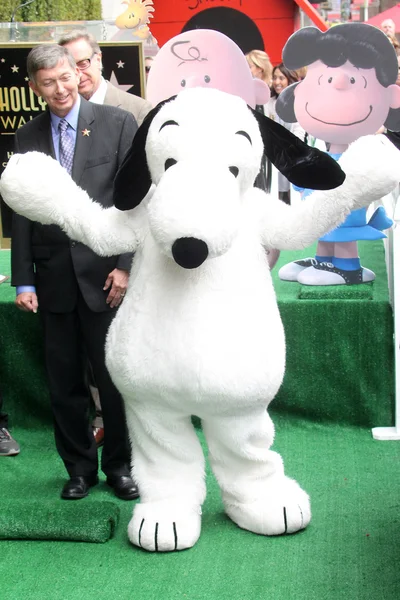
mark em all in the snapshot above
pixel 78 521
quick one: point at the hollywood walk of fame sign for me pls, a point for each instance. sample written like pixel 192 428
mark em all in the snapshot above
pixel 123 66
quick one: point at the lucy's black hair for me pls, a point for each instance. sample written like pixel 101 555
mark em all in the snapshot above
pixel 365 46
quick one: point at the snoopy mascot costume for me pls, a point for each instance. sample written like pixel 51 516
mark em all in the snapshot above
pixel 199 331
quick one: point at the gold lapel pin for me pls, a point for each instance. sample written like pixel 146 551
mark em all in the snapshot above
pixel 86 132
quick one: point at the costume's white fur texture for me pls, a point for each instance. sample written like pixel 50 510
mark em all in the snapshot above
pixel 207 341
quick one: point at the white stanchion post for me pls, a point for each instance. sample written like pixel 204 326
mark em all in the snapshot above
pixel 392 261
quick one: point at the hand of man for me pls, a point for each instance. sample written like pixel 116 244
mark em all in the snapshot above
pixel 27 301
pixel 118 281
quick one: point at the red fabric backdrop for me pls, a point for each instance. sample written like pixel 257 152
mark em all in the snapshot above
pixel 274 19
pixel 392 13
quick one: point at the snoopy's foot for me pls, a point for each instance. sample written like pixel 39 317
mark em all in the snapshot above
pixel 291 271
pixel 160 527
pixel 285 509
pixel 326 273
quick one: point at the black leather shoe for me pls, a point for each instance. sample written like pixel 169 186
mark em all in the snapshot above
pixel 124 487
pixel 78 487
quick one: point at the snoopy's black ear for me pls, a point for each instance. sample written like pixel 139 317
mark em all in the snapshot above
pixel 394 137
pixel 133 181
pixel 303 165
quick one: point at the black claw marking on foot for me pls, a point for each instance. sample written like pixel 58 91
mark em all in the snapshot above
pixel 140 533
pixel 175 535
pixel 155 538
pixel 285 518
pixel 302 518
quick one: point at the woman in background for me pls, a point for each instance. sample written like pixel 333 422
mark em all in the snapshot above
pixel 260 65
pixel 261 68
pixel 281 78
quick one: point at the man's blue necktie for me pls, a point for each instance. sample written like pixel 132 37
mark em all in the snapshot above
pixel 66 147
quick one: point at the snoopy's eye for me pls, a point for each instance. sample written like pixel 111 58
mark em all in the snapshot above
pixel 352 80
pixel 183 82
pixel 330 80
pixel 207 78
pixel 234 171
pixel 170 162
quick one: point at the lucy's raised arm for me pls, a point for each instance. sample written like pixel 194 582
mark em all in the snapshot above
pixel 372 167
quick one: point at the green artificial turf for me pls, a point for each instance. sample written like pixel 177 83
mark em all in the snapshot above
pixel 340 360
pixel 349 551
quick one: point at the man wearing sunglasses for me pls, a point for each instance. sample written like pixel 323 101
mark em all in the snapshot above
pixel 93 86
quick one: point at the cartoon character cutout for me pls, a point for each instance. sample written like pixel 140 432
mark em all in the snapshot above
pixel 136 17
pixel 203 58
pixel 349 91
pixel 208 58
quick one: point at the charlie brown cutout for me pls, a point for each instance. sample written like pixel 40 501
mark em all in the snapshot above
pixel 349 91
pixel 203 58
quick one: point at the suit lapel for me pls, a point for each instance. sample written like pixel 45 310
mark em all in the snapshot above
pixel 84 142
pixel 112 96
pixel 45 138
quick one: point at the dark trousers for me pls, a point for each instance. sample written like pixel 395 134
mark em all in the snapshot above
pixel 67 337
pixel 3 416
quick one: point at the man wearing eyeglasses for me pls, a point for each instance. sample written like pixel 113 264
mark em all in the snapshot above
pixel 93 86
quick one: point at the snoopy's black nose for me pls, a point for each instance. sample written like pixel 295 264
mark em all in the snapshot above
pixel 189 252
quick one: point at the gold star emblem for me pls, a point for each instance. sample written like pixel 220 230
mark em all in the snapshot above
pixel 14 69
pixel 86 132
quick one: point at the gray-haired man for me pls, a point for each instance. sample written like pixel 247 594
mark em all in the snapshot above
pixel 92 85
pixel 66 280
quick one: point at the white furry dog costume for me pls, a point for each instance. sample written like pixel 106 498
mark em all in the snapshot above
pixel 199 331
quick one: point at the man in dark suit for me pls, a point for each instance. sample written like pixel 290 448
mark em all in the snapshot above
pixel 93 87
pixel 66 280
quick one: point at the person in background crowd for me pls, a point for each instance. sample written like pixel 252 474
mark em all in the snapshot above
pixel 261 68
pixel 398 62
pixel 8 446
pixel 92 85
pixel 393 40
pixel 147 65
pixel 301 73
pixel 388 26
pixel 281 78
pixel 260 65
pixel 76 290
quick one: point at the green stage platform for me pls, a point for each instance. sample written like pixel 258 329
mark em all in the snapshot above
pixel 339 350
